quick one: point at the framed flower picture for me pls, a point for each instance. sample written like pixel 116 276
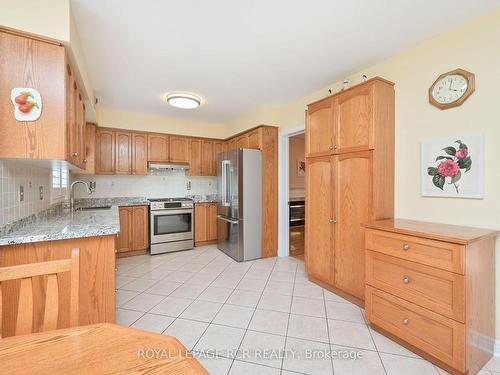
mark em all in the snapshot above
pixel 453 167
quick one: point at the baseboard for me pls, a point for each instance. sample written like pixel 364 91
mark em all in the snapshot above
pixel 496 350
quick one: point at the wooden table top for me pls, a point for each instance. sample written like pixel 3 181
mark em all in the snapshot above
pixel 96 349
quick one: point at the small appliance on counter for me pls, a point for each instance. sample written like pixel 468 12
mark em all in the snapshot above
pixel 239 209
pixel 171 226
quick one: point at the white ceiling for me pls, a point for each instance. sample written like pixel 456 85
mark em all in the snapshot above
pixel 239 55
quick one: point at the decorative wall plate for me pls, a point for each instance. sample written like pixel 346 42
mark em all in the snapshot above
pixel 27 103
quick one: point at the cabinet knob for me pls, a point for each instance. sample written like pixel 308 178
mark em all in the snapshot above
pixel 75 154
pixel 84 160
pixel 406 321
pixel 406 279
pixel 334 147
pixel 331 147
pixel 406 247
pixel 332 221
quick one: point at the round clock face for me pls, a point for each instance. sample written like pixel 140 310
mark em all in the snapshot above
pixel 449 88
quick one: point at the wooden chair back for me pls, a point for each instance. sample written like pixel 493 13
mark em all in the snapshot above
pixel 25 309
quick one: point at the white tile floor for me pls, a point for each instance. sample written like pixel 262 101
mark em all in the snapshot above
pixel 210 302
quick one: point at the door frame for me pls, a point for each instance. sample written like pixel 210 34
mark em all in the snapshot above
pixel 283 187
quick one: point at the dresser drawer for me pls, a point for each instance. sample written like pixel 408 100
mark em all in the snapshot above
pixel 437 290
pixel 444 255
pixel 440 337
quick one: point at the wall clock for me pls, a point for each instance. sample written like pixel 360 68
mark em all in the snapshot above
pixel 451 89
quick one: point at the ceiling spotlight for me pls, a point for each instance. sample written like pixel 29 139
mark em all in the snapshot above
pixel 183 100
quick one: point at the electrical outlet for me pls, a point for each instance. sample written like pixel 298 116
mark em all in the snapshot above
pixel 188 185
pixel 40 191
pixel 21 193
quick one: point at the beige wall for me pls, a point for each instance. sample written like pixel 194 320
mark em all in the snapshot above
pixel 296 151
pixel 146 122
pixel 474 47
pixel 49 18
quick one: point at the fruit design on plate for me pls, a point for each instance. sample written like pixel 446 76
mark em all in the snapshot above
pixel 27 103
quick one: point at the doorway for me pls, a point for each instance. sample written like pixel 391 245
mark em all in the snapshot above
pixel 291 193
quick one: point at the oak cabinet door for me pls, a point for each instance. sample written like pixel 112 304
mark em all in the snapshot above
pixel 354 196
pixel 90 140
pixel 231 144
pixel 139 153
pixel 212 222
pixel 320 129
pixel 219 148
pixel 319 218
pixel 123 151
pixel 28 62
pixel 195 157
pixel 179 149
pixel 105 151
pixel 125 237
pixel 200 222
pixel 80 134
pixel 354 119
pixel 140 228
pixel 158 147
pixel 242 142
pixel 255 139
pixel 207 162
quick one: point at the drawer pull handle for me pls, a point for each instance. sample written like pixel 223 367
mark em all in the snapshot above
pixel 406 247
pixel 406 279
pixel 405 322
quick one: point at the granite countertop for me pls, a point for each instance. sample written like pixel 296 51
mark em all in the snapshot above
pixel 116 201
pixel 212 198
pixel 62 224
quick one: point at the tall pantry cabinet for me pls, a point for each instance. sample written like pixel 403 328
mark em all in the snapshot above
pixel 349 181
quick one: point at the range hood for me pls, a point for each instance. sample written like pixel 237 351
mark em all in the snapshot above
pixel 167 166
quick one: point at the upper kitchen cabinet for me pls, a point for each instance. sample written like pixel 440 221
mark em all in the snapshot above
pixel 32 69
pixel 139 153
pixel 231 144
pixel 255 138
pixel 319 129
pixel 351 120
pixel 179 149
pixel 195 157
pixel 242 141
pixel 43 114
pixel 158 147
pixel 123 152
pixel 105 151
pixel 90 140
pixel 207 158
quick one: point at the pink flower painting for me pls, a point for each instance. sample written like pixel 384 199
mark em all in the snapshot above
pixel 451 166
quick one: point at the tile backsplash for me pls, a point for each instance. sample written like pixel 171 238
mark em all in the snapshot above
pixel 157 184
pixel 14 174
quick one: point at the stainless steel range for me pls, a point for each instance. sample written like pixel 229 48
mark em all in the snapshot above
pixel 171 224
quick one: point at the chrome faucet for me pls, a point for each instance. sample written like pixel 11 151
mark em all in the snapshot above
pixel 90 187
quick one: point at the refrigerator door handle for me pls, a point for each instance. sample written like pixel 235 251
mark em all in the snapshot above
pixel 225 184
pixel 228 220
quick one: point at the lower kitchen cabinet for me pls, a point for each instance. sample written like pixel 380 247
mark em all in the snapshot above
pixel 205 223
pixel 96 282
pixel 133 238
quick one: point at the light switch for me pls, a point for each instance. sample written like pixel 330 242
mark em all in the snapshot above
pixel 40 191
pixel 21 193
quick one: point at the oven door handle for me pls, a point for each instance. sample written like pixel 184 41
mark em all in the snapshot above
pixel 228 220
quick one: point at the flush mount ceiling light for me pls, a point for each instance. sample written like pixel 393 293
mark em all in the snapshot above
pixel 183 100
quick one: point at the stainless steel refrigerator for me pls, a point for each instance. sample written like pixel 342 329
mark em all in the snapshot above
pixel 239 209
